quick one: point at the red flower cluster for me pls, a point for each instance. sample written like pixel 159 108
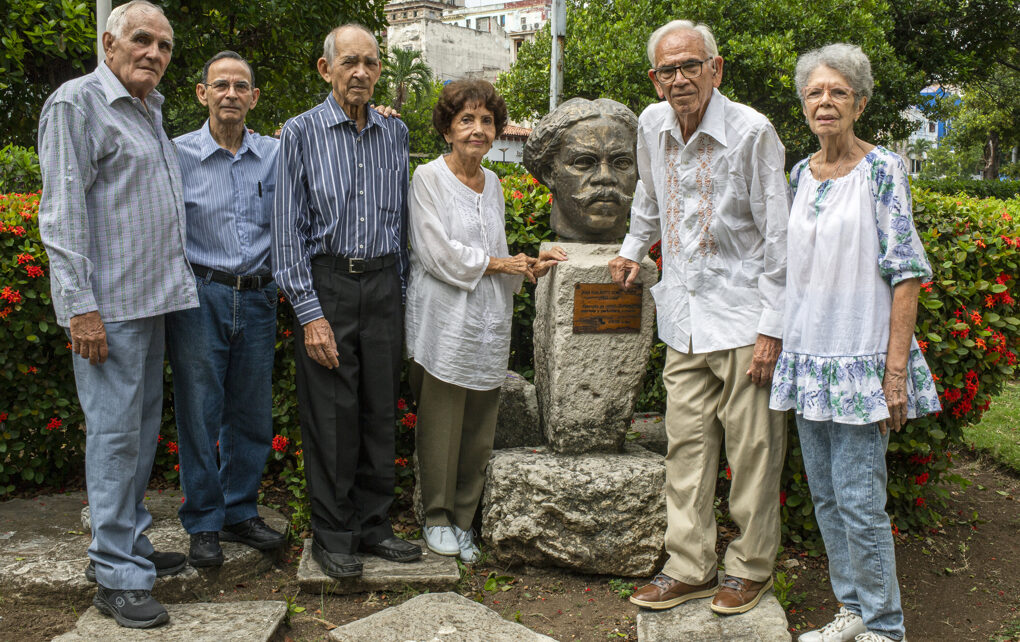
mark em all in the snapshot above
pixel 25 258
pixel 782 498
pixel 16 230
pixel 729 473
pixel 400 461
pixel 34 271
pixel 962 400
pixel 410 420
pixel 171 447
pixel 921 479
pixel 926 286
pixel 923 345
pixel 919 501
pixel 517 194
pixel 10 295
pixel 280 443
pixel 922 461
pixel 401 404
pixel 54 424
pixel 1004 297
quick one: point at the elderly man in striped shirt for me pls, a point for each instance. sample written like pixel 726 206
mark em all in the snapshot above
pixel 222 352
pixel 112 219
pixel 340 256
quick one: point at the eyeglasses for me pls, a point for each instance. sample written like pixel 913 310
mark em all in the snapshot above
pixel 689 70
pixel 222 86
pixel 837 94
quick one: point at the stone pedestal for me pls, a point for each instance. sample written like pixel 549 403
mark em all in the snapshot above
pixel 587 384
pixel 595 513
pixel 695 620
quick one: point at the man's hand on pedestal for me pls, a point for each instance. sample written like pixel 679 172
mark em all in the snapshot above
pixel 625 273
pixel 320 344
pixel 88 337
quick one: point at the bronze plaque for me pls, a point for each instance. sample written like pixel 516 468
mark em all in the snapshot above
pixel 604 308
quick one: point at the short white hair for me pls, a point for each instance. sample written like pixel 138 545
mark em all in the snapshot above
pixel 115 23
pixel 329 45
pixel 847 60
pixel 682 25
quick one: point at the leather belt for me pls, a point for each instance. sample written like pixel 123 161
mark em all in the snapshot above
pixel 250 282
pixel 349 265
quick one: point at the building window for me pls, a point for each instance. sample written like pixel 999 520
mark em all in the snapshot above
pixel 915 166
pixel 931 126
pixel 467 23
pixel 524 23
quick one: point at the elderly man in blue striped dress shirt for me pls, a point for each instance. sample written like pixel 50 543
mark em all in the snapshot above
pixel 340 256
pixel 112 219
pixel 222 353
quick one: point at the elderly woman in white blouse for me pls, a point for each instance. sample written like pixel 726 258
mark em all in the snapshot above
pixel 459 307
pixel 850 366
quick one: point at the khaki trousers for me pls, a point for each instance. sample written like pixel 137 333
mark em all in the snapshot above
pixel 453 441
pixel 708 397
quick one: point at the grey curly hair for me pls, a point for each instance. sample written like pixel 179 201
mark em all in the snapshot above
pixel 544 142
pixel 846 59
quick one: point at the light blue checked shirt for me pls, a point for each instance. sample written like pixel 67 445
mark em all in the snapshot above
pixel 339 192
pixel 229 200
pixel 111 213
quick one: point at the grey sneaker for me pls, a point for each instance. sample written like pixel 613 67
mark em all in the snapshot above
pixel 442 540
pixel 469 552
pixel 134 609
pixel 871 636
pixel 844 628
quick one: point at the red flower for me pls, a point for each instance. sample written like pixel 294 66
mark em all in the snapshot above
pixel 782 498
pixel 32 370
pixel 923 345
pixel 550 198
pixel 517 194
pixel 989 300
pixel 1002 278
pixel 895 529
pixel 25 258
pixel 16 230
pixel 171 447
pixel 177 467
pixel 400 461
pixel 729 473
pixel 287 333
pixel 926 286
pixel 410 420
pixel 975 318
pixel 54 424
pixel 534 181
pixel 5 312
pixel 3 416
pixel 919 501
pixel 34 271
pixel 13 296
pixel 280 443
pixel 921 479
pixel 979 342
pixel 401 404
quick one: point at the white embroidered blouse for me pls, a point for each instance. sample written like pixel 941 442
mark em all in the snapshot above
pixel 851 239
pixel 458 319
pixel 719 203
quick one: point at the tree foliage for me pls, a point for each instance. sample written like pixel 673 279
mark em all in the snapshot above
pixel 760 41
pixel 406 76
pixel 48 43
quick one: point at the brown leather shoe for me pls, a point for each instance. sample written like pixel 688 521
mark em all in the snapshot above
pixel 664 592
pixel 737 595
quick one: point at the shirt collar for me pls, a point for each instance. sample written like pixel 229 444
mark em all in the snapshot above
pixel 114 89
pixel 713 122
pixel 336 114
pixel 209 146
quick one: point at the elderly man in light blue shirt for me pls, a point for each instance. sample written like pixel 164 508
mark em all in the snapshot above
pixel 112 219
pixel 222 352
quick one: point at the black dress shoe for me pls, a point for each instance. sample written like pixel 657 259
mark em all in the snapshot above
pixel 336 565
pixel 167 563
pixel 133 609
pixel 255 533
pixel 205 550
pixel 393 549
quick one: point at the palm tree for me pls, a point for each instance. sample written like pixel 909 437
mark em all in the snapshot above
pixel 407 75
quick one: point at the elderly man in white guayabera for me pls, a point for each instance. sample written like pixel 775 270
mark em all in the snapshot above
pixel 112 220
pixel 712 188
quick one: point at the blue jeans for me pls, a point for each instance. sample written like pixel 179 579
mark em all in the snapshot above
pixel 123 404
pixel 221 354
pixel 846 472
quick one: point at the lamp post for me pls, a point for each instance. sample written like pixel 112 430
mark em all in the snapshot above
pixel 558 29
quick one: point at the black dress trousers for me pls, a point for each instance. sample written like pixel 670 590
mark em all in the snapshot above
pixel 348 414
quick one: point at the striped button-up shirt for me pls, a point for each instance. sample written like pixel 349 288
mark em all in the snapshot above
pixel 111 213
pixel 339 192
pixel 229 200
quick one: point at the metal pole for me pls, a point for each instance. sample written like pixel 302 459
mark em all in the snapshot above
pixel 102 13
pixel 558 29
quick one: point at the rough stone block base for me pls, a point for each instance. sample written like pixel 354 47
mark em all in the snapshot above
pixel 651 429
pixel 601 513
pixel 200 622
pixel 518 423
pixel 437 616
pixel 432 573
pixel 695 620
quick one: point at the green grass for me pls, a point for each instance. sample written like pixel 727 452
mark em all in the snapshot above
pixel 998 434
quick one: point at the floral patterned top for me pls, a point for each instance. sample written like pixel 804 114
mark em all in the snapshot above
pixel 849 241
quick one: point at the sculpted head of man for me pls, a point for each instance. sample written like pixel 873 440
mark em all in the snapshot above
pixel 584 151
pixel 138 42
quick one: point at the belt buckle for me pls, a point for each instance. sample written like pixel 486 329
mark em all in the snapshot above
pixel 238 282
pixel 355 266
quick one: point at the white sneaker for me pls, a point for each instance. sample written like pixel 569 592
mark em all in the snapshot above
pixel 845 627
pixel 469 552
pixel 871 636
pixel 442 540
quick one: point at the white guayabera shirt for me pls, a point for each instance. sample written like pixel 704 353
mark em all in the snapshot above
pixel 719 204
pixel 458 319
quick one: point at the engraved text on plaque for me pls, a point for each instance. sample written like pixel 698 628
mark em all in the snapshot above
pixel 605 308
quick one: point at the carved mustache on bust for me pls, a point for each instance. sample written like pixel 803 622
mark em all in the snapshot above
pixel 590 196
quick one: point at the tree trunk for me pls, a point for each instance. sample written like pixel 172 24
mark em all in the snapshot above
pixel 990 171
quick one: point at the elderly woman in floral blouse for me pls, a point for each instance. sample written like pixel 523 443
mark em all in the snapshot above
pixel 850 366
pixel 459 307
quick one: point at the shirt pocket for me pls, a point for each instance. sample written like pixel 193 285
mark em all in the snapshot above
pixel 390 193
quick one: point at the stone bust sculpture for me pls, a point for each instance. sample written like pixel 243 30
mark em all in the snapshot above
pixel 584 152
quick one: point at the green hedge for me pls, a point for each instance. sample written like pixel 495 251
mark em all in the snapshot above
pixel 967 324
pixel 970 187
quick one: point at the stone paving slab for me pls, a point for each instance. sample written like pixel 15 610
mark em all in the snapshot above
pixel 43 548
pixel 432 573
pixel 695 621
pixel 197 622
pixel 652 428
pixel 436 617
